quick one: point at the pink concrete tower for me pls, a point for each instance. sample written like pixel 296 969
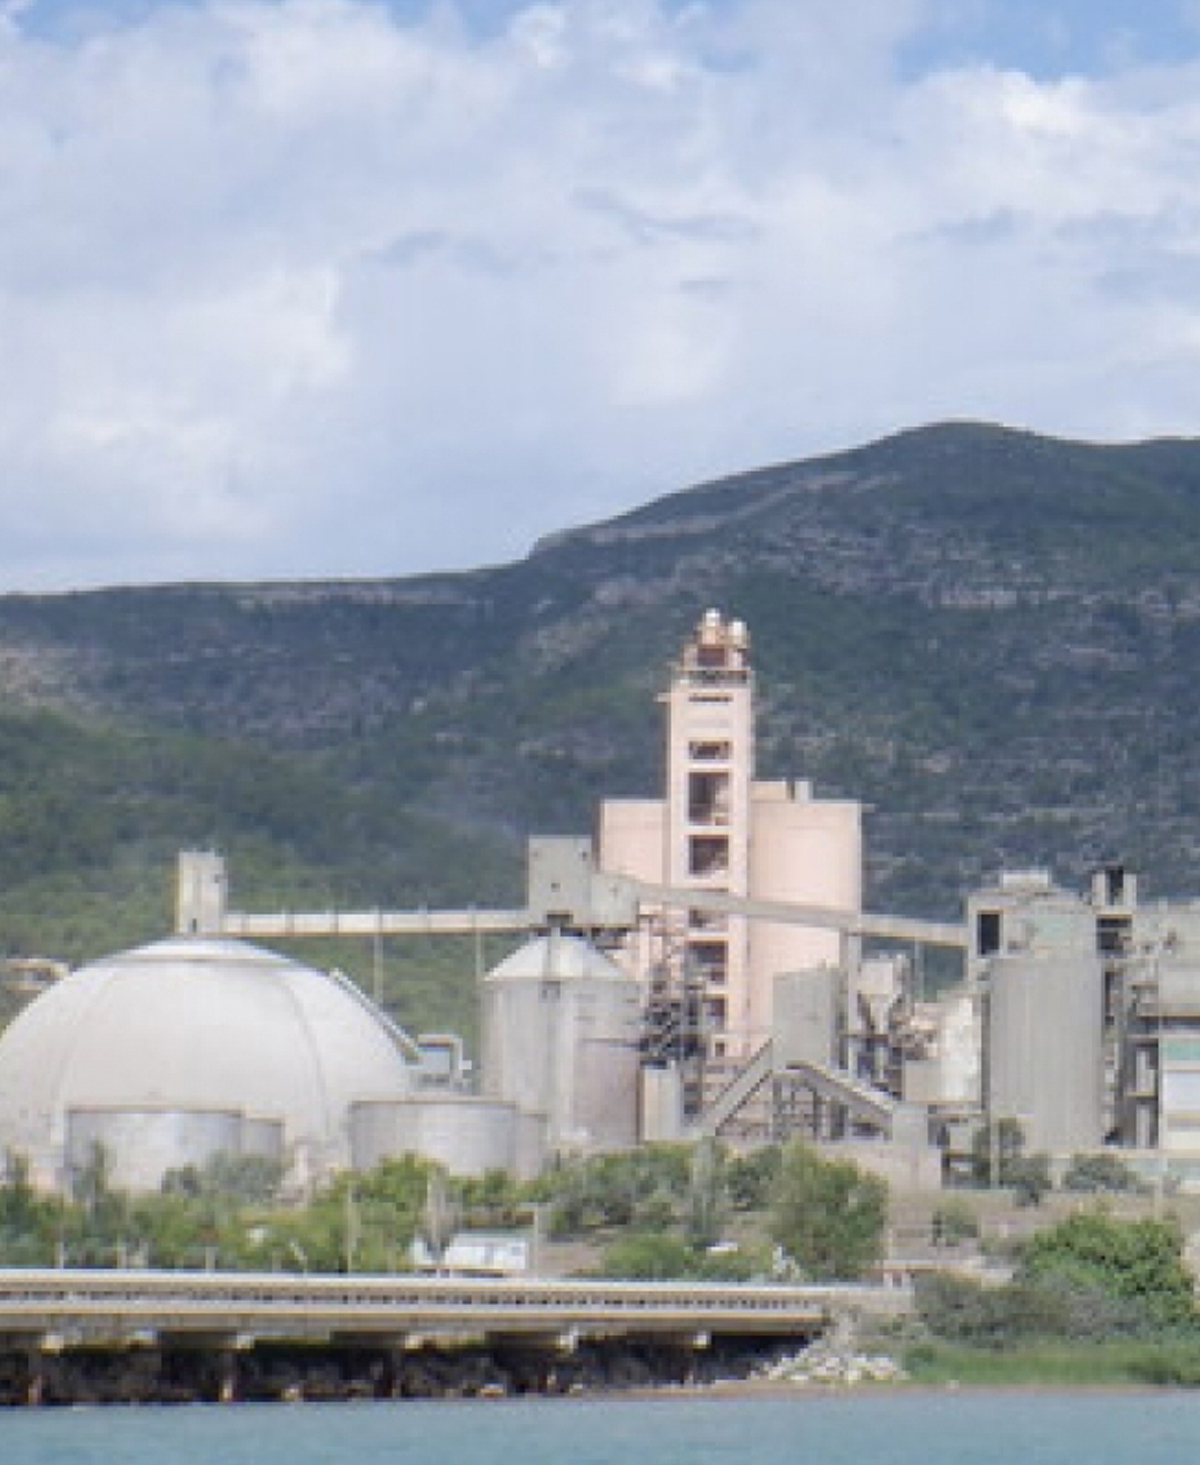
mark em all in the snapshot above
pixel 720 829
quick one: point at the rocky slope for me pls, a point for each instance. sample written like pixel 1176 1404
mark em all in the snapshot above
pixel 990 637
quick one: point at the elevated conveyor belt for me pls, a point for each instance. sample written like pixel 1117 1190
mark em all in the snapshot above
pixel 853 923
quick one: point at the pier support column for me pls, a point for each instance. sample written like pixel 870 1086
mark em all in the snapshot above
pixel 35 1382
pixel 227 1376
pixel 395 1368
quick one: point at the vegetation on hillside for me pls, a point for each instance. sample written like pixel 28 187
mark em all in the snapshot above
pixel 92 816
pixel 990 638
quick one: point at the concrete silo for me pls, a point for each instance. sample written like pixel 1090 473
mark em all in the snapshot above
pixel 560 1035
pixel 1045 1060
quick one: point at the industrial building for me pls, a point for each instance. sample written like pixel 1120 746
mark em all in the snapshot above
pixel 720 829
pixel 642 1006
pixel 1091 1016
pixel 203 1045
pixel 703 967
pixel 187 1048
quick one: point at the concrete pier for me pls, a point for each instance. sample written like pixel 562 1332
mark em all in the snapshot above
pixel 93 1336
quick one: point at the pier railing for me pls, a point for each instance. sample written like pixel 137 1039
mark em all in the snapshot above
pixel 77 1305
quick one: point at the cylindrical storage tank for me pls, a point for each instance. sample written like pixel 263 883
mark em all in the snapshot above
pixel 142 1145
pixel 1045 1049
pixel 803 851
pixel 466 1134
pixel 560 1034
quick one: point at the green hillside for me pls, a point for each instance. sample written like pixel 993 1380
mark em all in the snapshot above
pixel 991 638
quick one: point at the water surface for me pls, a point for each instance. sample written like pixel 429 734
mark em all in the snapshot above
pixel 914 1427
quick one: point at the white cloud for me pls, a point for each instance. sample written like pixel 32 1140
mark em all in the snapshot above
pixel 542 31
pixel 296 287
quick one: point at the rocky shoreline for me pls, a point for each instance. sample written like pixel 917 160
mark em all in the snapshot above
pixel 292 1372
pixel 827 1366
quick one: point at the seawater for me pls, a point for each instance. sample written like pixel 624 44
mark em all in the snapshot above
pixel 904 1428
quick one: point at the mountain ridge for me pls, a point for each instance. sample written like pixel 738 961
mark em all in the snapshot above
pixel 989 636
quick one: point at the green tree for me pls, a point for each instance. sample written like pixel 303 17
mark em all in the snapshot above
pixel 98 1232
pixel 645 1188
pixel 18 1199
pixel 1136 1261
pixel 440 1216
pixel 367 1221
pixel 828 1215
pixel 706 1194
pixel 28 1222
pixel 749 1178
pixel 493 1199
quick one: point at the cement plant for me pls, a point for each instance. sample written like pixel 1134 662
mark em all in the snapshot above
pixel 701 965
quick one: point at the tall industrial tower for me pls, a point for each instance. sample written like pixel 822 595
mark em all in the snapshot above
pixel 718 828
pixel 710 763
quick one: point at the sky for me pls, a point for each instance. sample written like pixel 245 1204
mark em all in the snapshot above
pixel 328 288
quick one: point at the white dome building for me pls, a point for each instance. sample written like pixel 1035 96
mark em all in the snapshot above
pixel 187 1048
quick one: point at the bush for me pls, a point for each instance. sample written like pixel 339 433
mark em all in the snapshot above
pixel 1140 1262
pixel 651 1256
pixel 646 1188
pixel 734 1264
pixel 961 1310
pixel 1029 1176
pixel 953 1222
pixel 1101 1174
pixel 1175 1366
pixel 1088 1279
pixel 659 1256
